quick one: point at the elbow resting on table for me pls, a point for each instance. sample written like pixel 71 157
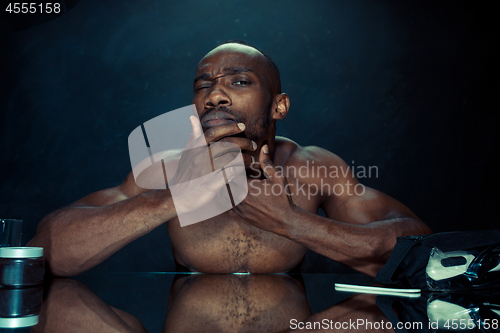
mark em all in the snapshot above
pixel 381 247
pixel 64 265
pixel 59 263
pixel 60 258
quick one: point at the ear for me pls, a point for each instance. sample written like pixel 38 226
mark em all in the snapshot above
pixel 281 104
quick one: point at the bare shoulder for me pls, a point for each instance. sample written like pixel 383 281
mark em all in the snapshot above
pixel 343 197
pixel 293 155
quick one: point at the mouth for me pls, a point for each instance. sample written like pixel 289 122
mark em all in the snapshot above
pixel 217 119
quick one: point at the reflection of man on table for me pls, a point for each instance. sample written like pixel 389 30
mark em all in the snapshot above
pixel 238 96
pixel 259 303
pixel 69 306
pixel 235 303
pixel 206 303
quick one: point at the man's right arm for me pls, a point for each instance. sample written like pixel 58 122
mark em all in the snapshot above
pixel 87 232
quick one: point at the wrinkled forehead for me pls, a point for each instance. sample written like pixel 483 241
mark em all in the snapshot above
pixel 232 55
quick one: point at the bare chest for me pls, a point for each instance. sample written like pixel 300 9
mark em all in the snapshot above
pixel 228 243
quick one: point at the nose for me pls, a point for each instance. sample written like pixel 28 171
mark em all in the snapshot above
pixel 217 96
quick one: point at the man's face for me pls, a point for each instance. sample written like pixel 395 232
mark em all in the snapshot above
pixel 232 85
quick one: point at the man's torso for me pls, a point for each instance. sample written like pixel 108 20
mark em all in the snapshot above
pixel 227 243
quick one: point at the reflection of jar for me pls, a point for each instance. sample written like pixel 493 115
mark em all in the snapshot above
pixel 21 266
pixel 20 307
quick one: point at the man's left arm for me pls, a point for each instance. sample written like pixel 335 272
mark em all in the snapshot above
pixel 360 230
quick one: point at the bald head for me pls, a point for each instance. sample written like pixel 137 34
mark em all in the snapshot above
pixel 236 47
pixel 239 49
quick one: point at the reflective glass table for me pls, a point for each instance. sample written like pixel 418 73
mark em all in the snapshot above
pixel 190 302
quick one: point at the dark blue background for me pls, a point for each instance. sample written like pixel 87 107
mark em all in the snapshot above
pixel 408 86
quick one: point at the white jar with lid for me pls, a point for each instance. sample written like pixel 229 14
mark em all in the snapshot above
pixel 21 266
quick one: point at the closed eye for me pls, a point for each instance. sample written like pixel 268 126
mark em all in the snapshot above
pixel 203 86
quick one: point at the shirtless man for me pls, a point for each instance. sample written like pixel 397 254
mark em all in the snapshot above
pixel 237 84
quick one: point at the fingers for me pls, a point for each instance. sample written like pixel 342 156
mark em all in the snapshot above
pixel 250 162
pixel 271 173
pixel 227 149
pixel 223 149
pixel 234 146
pixel 224 159
pixel 231 158
pixel 222 134
pixel 218 132
pixel 234 170
pixel 226 153
pixel 267 165
pixel 243 143
pixel 196 126
pixel 196 139
pixel 192 195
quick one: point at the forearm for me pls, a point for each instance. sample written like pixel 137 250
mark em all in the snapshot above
pixel 364 247
pixel 76 239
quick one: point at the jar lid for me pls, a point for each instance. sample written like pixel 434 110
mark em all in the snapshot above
pixel 21 252
pixel 18 322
